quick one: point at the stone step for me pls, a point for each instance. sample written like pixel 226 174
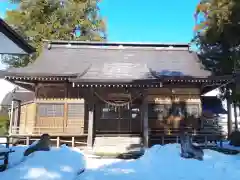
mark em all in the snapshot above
pixel 117 140
pixel 117 145
pixel 114 149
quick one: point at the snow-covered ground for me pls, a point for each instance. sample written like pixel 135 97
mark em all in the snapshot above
pixel 159 162
pixel 58 164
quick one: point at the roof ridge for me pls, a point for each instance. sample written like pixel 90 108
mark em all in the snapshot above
pixel 70 46
pixel 131 44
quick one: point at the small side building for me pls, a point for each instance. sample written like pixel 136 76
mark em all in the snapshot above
pixel 11 43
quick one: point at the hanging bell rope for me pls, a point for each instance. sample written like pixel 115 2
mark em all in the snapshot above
pixel 117 104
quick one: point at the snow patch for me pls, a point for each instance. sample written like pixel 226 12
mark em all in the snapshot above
pixel 3 149
pixel 59 163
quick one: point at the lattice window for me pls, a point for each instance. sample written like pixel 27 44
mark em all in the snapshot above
pixel 75 111
pixel 51 110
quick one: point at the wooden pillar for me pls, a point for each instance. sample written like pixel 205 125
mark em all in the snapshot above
pixel 36 107
pixel 235 107
pixel 27 140
pixel 90 128
pixel 73 141
pixel 65 119
pixel 235 116
pixel 145 122
pixel 11 118
pixel 229 117
pixel 58 142
pixel 18 115
pixel 238 110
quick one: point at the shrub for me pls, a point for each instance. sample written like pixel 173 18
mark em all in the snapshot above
pixel 4 123
pixel 235 138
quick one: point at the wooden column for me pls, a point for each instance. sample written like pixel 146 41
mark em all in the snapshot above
pixel 235 108
pixel 145 122
pixel 11 118
pixel 27 140
pixel 58 142
pixel 235 116
pixel 65 119
pixel 73 141
pixel 229 109
pixel 18 114
pixel 91 129
pixel 36 106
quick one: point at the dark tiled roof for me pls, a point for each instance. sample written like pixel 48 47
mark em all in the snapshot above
pixel 114 62
pixel 15 37
pixel 2 74
pixel 23 96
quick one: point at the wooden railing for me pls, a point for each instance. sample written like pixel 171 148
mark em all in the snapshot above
pixel 204 136
pixel 57 141
pixel 46 129
pixel 190 130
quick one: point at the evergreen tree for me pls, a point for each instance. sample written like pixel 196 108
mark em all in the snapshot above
pixel 37 20
pixel 218 39
pixel 217 36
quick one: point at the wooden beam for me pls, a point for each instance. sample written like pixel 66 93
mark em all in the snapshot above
pixel 26 86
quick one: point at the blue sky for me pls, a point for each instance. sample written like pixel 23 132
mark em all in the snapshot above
pixel 4 5
pixel 149 21
pixel 144 21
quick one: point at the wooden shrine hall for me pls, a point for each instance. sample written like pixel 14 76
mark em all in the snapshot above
pixel 100 89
